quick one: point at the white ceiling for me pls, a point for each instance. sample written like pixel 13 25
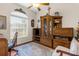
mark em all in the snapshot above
pixel 35 10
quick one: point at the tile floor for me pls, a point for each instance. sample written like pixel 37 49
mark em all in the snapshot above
pixel 34 49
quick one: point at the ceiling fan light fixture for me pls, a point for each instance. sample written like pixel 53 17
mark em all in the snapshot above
pixel 36 5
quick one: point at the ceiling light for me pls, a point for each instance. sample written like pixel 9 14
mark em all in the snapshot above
pixel 36 5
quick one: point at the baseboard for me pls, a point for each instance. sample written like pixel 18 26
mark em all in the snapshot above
pixel 23 43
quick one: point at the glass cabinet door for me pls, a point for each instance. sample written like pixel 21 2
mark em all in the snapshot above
pixel 45 27
pixel 50 27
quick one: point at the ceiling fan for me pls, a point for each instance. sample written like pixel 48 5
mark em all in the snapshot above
pixel 37 5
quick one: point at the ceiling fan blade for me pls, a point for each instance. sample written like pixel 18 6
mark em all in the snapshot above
pixel 29 7
pixel 44 3
pixel 41 4
pixel 38 9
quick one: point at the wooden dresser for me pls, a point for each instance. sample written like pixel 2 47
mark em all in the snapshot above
pixel 62 37
pixel 3 46
pixel 61 42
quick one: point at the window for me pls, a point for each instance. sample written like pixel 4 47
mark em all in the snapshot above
pixel 18 23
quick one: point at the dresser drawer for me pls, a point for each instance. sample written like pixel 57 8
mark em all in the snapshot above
pixel 61 42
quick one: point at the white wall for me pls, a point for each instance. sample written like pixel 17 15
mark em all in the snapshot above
pixel 5 10
pixel 70 13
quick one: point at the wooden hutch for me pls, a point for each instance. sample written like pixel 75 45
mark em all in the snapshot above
pixel 50 27
pixel 47 24
pixel 52 34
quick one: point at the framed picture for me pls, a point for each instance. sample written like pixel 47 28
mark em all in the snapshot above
pixel 2 22
pixel 32 22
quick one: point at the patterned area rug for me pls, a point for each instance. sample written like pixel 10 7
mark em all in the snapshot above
pixel 33 49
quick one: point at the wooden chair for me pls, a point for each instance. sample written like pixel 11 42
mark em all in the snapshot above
pixel 13 44
pixel 65 52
